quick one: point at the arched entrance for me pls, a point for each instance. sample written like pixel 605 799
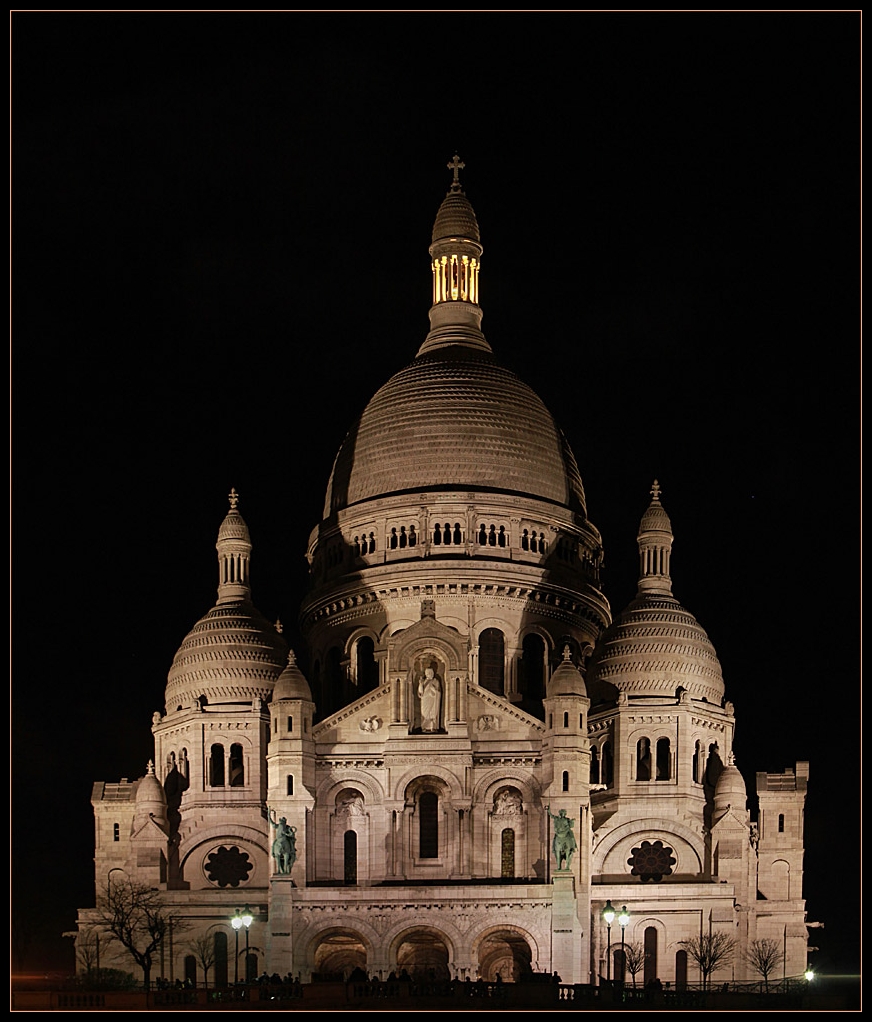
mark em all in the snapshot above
pixel 506 952
pixel 424 955
pixel 338 954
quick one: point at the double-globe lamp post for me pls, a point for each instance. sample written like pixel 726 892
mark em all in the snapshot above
pixel 239 920
pixel 623 919
pixel 609 914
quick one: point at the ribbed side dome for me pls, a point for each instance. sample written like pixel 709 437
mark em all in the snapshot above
pixel 654 647
pixel 231 655
pixel 456 419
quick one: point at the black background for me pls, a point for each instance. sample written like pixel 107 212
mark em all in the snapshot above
pixel 220 225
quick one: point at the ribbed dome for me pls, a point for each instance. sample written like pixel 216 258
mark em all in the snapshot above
pixel 292 683
pixel 231 655
pixel 655 519
pixel 456 219
pixel 234 527
pixel 454 418
pixel 654 647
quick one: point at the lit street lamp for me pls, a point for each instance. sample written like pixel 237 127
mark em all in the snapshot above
pixel 237 921
pixel 609 916
pixel 623 919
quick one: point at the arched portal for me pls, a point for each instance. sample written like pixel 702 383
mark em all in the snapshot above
pixel 424 955
pixel 506 952
pixel 338 954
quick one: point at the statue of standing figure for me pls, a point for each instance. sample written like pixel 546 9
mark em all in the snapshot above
pixel 564 844
pixel 284 847
pixel 430 694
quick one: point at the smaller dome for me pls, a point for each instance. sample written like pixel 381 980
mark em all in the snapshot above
pixel 151 800
pixel 292 683
pixel 233 526
pixel 730 790
pixel 456 219
pixel 567 680
pixel 655 519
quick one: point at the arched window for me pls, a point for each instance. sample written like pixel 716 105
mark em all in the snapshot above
pixel 220 946
pixel 619 963
pixel 237 767
pixel 607 766
pixel 650 943
pixel 367 668
pixel 663 759
pixel 492 660
pixel 781 823
pixel 566 720
pixel 594 765
pixel 290 725
pixel 697 762
pixel 334 680
pixel 643 760
pixel 507 853
pixel 680 970
pixel 350 855
pixel 531 680
pixel 216 766
pixel 428 834
pixel 566 780
pixel 290 784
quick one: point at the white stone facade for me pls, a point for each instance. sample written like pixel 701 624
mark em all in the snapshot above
pixel 456 550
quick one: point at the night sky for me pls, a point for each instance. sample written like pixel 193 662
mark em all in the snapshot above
pixel 220 225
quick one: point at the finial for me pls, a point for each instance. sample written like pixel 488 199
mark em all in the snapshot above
pixel 567 655
pixel 150 768
pixel 291 658
pixel 456 165
pixel 234 498
pixel 279 625
pixel 655 490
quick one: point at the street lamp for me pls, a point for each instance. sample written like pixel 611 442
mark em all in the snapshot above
pixel 239 920
pixel 609 916
pixel 623 919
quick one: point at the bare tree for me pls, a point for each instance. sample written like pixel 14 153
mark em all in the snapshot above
pixel 205 955
pixel 711 951
pixel 134 916
pixel 87 949
pixel 764 956
pixel 634 958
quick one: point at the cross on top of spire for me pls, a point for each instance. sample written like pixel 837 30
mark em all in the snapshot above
pixel 655 490
pixel 234 498
pixel 456 165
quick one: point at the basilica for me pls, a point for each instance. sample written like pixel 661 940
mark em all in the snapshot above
pixel 474 766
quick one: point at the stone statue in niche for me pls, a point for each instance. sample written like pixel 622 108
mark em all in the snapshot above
pixel 507 803
pixel 430 694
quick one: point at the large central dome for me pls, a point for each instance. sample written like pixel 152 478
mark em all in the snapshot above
pixel 454 418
